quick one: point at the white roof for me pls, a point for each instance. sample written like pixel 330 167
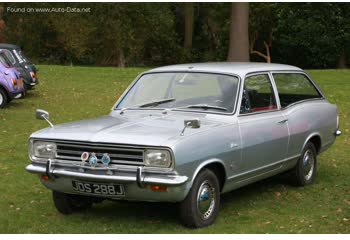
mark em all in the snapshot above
pixel 238 68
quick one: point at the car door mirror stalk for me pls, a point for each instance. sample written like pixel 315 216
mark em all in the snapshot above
pixel 193 123
pixel 43 115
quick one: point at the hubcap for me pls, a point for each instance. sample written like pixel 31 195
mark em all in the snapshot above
pixel 308 164
pixel 1 98
pixel 206 200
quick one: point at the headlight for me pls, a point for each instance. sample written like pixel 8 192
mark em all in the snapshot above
pixel 158 158
pixel 41 149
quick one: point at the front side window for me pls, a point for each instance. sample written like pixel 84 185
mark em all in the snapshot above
pixel 183 90
pixel 294 87
pixel 258 95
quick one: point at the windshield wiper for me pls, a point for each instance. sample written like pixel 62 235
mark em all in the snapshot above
pixel 157 102
pixel 206 106
pixel 148 104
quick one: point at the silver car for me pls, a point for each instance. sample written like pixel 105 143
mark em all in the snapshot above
pixel 188 133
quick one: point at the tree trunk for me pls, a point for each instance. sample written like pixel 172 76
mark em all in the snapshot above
pixel 239 36
pixel 342 61
pixel 189 19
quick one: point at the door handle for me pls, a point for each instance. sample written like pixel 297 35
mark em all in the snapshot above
pixel 283 121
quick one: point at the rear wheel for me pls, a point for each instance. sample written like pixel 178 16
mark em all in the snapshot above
pixel 4 99
pixel 201 206
pixel 68 203
pixel 304 172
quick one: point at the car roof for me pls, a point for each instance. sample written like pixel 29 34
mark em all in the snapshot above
pixel 8 46
pixel 238 68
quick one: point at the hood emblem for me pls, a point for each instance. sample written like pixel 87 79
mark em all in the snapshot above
pixel 93 160
pixel 105 159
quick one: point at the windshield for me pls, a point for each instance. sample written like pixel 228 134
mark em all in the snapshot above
pixel 195 91
pixel 4 60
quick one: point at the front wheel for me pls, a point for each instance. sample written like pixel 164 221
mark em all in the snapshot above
pixel 3 98
pixel 304 172
pixel 201 206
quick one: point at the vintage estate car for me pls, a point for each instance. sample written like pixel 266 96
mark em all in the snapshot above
pixel 11 84
pixel 27 69
pixel 188 133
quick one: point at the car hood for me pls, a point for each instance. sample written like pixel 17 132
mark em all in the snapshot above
pixel 132 127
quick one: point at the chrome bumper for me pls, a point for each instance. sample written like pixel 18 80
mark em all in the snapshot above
pixel 141 178
pixel 137 182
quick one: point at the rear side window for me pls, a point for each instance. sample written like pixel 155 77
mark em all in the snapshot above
pixel 294 87
pixel 257 95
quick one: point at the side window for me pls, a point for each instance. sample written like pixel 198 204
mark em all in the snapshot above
pixel 258 94
pixel 294 87
pixel 9 55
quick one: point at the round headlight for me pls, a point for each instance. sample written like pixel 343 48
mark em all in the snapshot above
pixel 158 158
pixel 43 149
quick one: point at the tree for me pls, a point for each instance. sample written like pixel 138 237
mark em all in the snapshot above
pixel 261 29
pixel 239 35
pixel 312 35
pixel 189 20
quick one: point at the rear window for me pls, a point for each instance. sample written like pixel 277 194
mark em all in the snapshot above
pixel 294 87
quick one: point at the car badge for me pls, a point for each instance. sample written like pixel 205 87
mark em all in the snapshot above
pixel 84 157
pixel 93 160
pixel 105 159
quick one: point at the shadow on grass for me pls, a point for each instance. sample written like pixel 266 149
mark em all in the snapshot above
pixel 138 212
pixel 31 94
pixel 168 213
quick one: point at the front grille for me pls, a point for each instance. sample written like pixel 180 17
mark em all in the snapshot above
pixel 119 155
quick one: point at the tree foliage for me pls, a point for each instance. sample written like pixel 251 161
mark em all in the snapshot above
pixel 309 35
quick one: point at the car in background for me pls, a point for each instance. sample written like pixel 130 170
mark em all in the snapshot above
pixel 27 69
pixel 11 84
pixel 188 133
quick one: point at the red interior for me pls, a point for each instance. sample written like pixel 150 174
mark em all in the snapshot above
pixel 257 109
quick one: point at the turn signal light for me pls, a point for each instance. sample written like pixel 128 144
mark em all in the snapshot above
pixel 14 81
pixel 44 177
pixel 159 188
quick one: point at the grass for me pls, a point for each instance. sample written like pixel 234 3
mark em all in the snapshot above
pixel 269 206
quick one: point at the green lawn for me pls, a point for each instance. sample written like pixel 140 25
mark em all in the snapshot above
pixel 270 206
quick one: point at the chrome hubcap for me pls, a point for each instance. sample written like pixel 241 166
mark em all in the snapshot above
pixel 308 164
pixel 1 98
pixel 206 200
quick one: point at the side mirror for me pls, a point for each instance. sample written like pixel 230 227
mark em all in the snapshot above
pixel 6 73
pixel 41 114
pixel 193 123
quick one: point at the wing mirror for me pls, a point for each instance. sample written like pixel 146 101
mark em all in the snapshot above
pixel 193 123
pixel 43 115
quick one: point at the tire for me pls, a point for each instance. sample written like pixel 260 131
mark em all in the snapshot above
pixel 4 99
pixel 205 190
pixel 68 203
pixel 304 172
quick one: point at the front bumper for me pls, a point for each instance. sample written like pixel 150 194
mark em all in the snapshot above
pixel 137 183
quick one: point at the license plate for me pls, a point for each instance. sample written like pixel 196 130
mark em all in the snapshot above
pixel 20 82
pixel 105 189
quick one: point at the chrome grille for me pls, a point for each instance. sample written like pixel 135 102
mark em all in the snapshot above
pixel 119 155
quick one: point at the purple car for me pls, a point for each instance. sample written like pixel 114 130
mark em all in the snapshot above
pixel 11 84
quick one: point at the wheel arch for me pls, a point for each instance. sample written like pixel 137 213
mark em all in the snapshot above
pixel 5 89
pixel 316 139
pixel 217 166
